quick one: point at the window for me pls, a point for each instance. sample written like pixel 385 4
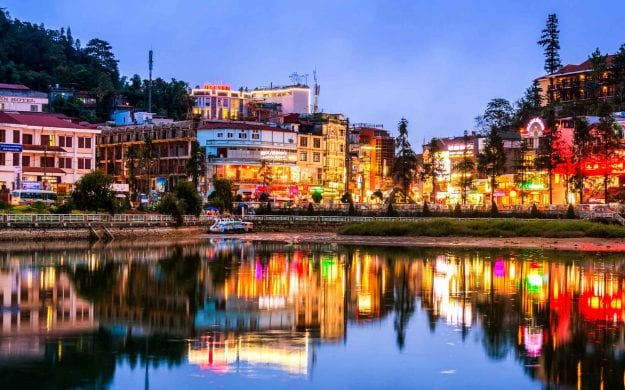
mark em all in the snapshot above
pixel 316 157
pixel 2 158
pixel 81 142
pixel 303 156
pixel 16 159
pixel 16 136
pixel 303 141
pixel 341 132
pixel 84 163
pixel 34 108
pixel 317 143
pixel 27 139
pixel 3 135
pixel 45 139
pixel 230 135
pixel 1 106
pixel 242 135
pixel 47 162
pixel 62 141
pixel 220 135
pixel 341 148
pixel 25 161
pixel 255 136
pixel 65 162
pixel 88 143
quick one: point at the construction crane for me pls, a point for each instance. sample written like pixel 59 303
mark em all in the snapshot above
pixel 316 93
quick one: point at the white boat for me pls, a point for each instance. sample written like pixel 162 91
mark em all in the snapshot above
pixel 229 225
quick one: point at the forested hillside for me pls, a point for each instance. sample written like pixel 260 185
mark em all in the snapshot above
pixel 38 57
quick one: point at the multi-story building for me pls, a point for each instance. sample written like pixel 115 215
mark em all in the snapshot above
pixel 44 151
pixel 258 158
pixel 219 102
pixel 322 153
pixel 578 82
pixel 17 97
pixel 372 154
pixel 294 99
pixel 153 156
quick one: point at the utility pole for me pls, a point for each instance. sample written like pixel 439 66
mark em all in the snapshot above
pixel 150 65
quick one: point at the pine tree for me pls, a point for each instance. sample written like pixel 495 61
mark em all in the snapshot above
pixel 492 160
pixel 550 41
pixel 618 71
pixel 405 165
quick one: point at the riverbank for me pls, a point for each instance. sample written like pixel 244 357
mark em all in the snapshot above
pixel 586 244
pixel 17 234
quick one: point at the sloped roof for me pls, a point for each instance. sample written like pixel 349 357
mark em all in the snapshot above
pixel 585 66
pixel 38 119
pixel 14 86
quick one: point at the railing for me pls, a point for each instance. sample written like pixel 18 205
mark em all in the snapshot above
pixel 96 219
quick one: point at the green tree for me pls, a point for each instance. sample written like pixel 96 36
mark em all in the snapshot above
pixel 581 150
pixel 465 168
pixel 550 41
pixel 132 155
pixel 529 106
pixel 618 71
pixel 549 149
pixel 596 80
pixel 405 165
pixel 148 156
pixel 605 144
pixel 499 113
pixel 93 192
pixel 432 167
pixel 222 195
pixel 194 163
pixel 265 173
pixel 187 194
pixel 524 165
pixel 492 160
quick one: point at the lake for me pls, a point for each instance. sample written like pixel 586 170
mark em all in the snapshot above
pixel 229 313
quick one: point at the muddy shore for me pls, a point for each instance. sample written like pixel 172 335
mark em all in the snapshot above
pixel 587 244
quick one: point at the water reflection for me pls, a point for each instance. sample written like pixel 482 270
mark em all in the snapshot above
pixel 77 316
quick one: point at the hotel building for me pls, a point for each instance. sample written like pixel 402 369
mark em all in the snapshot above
pixel 220 102
pixel 17 97
pixel 576 82
pixel 40 150
pixel 294 99
pixel 257 157
pixel 171 149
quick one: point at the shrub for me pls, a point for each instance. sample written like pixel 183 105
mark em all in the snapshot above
pixel 570 212
pixel 426 209
pixel 534 213
pixel 316 197
pixel 66 208
pixel 170 204
pixel 457 213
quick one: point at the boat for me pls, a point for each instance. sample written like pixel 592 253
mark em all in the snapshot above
pixel 229 225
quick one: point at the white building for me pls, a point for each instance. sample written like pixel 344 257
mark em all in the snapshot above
pixel 295 99
pixel 256 157
pixel 17 97
pixel 44 150
pixel 219 101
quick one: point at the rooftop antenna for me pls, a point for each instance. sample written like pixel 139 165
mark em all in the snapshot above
pixel 316 95
pixel 150 63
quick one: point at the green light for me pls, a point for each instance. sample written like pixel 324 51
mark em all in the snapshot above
pixel 317 190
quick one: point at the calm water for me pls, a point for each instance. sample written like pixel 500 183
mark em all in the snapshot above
pixel 228 313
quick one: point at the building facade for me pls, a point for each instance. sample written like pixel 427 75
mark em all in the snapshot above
pixel 294 99
pixel 148 157
pixel 322 153
pixel 17 97
pixel 220 102
pixel 258 158
pixel 578 82
pixel 371 158
pixel 48 151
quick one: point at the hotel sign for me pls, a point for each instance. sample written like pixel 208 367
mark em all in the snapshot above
pixel 15 148
pixel 6 99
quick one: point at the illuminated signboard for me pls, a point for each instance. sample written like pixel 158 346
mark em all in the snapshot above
pixel 220 87
pixel 535 128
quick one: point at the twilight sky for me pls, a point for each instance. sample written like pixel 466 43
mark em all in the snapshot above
pixel 437 63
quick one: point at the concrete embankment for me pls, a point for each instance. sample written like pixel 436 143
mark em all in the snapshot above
pixel 87 233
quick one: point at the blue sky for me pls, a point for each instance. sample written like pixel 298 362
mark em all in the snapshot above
pixel 437 63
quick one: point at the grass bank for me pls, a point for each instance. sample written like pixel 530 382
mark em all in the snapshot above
pixel 444 227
